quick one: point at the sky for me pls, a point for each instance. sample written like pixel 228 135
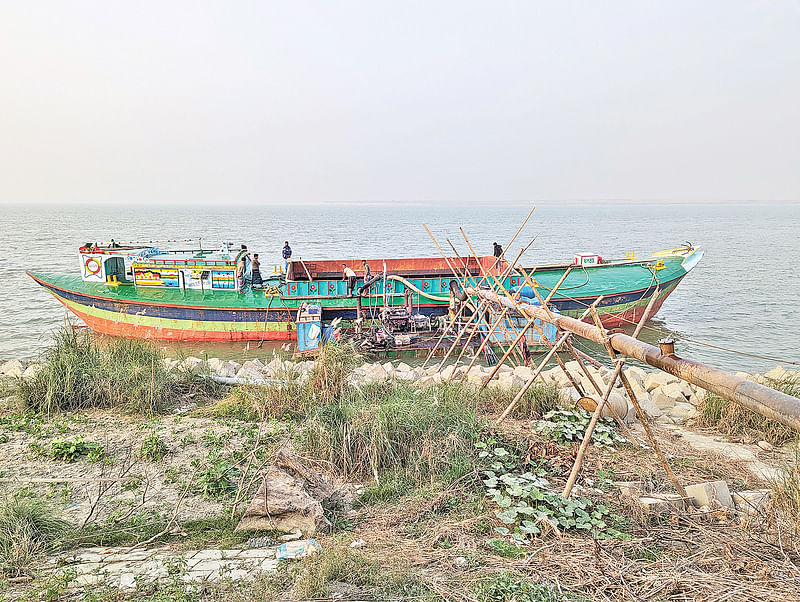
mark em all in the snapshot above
pixel 442 101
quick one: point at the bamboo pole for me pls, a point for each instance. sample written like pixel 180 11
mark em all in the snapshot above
pixel 444 333
pixel 485 341
pixel 639 412
pixel 480 311
pixel 484 278
pixel 587 436
pixel 533 378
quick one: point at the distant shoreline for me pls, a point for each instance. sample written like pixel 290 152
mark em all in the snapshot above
pixel 400 203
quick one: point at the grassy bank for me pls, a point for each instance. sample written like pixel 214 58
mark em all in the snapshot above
pixel 443 504
pixel 77 372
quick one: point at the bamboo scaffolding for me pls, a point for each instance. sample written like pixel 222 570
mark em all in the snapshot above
pixel 587 436
pixel 620 420
pixel 639 412
pixel 759 398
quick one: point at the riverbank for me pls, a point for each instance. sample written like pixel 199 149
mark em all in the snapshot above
pixel 423 479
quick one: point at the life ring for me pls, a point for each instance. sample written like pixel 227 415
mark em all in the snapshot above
pixel 97 266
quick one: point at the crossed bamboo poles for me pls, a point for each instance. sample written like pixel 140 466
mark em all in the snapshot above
pixel 499 291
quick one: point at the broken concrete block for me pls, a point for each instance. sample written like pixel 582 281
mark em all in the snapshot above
pixel 13 368
pixel 632 488
pixel 662 503
pixel 289 499
pixel 751 502
pixel 677 390
pixel 703 494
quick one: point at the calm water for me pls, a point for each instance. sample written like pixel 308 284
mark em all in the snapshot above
pixel 743 295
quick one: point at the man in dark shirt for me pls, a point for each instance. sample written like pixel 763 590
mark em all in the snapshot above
pixel 498 253
pixel 287 255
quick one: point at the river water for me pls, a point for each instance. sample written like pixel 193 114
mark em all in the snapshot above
pixel 742 296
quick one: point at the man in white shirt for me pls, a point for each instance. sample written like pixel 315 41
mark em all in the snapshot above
pixel 350 276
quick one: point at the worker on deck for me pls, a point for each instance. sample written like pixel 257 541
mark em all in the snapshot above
pixel 241 266
pixel 255 272
pixel 498 253
pixel 351 278
pixel 287 255
pixel 367 270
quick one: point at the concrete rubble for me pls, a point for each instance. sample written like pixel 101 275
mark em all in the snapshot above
pixel 289 499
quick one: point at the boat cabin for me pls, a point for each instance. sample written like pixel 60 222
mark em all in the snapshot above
pixel 116 264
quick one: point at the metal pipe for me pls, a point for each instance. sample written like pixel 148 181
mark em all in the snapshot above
pixel 753 396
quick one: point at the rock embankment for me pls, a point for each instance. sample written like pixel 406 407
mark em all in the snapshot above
pixel 663 397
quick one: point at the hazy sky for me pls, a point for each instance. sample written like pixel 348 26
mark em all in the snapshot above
pixel 266 102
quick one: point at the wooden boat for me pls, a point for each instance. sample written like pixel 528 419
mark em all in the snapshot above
pixel 135 290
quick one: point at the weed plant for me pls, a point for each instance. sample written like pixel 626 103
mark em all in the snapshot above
pixel 733 419
pixel 786 492
pixel 508 587
pixel 154 448
pixel 29 526
pixel 68 450
pixel 78 373
pixel 426 434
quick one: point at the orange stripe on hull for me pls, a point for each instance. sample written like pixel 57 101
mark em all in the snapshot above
pixel 135 331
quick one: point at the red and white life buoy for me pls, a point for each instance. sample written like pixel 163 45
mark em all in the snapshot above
pixel 93 266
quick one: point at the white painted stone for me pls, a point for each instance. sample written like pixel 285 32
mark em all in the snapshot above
pixel 663 401
pixel 703 494
pixel 766 445
pixel 32 370
pixel 676 390
pixel 127 581
pixel 388 367
pixel 403 367
pixel 658 379
pixel 683 411
pixel 777 373
pixel 404 376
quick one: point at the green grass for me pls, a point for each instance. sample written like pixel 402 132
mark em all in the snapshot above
pixel 29 526
pixel 425 434
pixel 291 399
pixel 733 419
pixel 78 373
pixel 539 399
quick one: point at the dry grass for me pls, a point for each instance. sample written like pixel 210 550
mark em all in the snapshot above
pixel 732 419
pixel 537 401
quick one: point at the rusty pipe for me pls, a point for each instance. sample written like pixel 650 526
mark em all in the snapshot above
pixel 753 396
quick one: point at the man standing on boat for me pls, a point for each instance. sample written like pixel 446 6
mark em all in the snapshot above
pixel 287 255
pixel 240 269
pixel 255 272
pixel 498 253
pixel 351 278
